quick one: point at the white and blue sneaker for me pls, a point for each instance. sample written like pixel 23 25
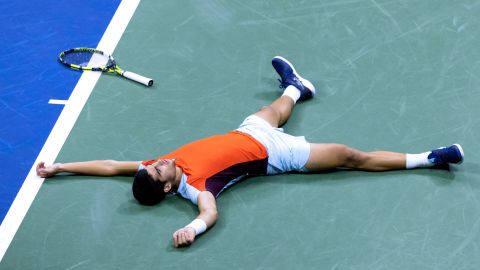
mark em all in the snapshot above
pixel 289 76
pixel 447 155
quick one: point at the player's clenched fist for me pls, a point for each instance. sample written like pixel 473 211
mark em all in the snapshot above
pixel 183 237
pixel 47 171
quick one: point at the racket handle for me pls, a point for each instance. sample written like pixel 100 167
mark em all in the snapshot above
pixel 138 78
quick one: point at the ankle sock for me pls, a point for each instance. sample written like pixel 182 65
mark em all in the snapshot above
pixel 292 92
pixel 418 160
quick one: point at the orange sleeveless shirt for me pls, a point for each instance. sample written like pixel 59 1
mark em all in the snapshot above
pixel 213 163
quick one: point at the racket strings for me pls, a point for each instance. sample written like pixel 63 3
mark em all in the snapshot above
pixel 87 59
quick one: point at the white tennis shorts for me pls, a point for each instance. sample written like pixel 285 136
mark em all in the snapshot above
pixel 286 153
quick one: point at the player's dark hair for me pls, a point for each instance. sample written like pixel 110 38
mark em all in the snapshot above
pixel 146 190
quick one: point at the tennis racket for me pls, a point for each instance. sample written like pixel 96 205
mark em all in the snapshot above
pixel 96 60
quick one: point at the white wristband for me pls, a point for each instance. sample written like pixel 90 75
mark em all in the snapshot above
pixel 198 225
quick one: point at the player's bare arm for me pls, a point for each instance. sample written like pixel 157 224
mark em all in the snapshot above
pixel 207 217
pixel 94 167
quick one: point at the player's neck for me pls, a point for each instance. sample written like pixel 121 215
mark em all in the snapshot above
pixel 178 177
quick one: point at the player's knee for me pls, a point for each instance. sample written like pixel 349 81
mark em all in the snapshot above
pixel 352 158
pixel 271 111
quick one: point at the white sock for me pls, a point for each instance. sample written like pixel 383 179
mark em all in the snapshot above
pixel 418 160
pixel 292 92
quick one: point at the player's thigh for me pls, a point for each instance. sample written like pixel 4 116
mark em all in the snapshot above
pixel 327 156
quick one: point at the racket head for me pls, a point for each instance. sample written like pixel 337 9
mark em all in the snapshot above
pixel 87 59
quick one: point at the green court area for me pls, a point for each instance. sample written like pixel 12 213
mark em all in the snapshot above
pixel 392 75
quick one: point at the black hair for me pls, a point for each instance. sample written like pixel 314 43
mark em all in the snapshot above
pixel 146 190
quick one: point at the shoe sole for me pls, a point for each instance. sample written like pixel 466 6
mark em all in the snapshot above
pixel 306 82
pixel 461 152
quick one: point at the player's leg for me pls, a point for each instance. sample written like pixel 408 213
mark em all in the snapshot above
pixel 296 89
pixel 331 156
pixel 278 112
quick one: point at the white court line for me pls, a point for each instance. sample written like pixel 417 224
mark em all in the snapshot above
pixel 58 101
pixel 63 126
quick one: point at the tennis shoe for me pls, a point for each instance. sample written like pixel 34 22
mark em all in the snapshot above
pixel 446 155
pixel 289 76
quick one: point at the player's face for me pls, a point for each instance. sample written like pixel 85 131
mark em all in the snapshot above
pixel 163 170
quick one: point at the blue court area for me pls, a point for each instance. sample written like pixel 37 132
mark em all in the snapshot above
pixel 32 35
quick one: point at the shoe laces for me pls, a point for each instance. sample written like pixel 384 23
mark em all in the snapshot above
pixel 283 84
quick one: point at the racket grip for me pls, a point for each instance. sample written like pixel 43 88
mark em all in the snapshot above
pixel 138 78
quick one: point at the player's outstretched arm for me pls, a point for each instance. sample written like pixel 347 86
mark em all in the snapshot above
pixel 207 207
pixel 94 167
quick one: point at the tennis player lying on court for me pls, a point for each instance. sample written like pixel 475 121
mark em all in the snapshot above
pixel 201 170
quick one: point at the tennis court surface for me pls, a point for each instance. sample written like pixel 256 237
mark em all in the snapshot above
pixel 392 75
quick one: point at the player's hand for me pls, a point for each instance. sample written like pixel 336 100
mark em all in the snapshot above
pixel 47 171
pixel 183 237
